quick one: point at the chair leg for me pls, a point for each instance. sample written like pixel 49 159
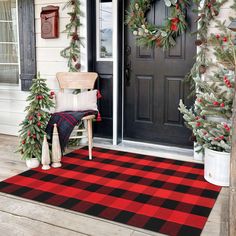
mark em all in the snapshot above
pixel 90 138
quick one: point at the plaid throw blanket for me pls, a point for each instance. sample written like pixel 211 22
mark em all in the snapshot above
pixel 66 121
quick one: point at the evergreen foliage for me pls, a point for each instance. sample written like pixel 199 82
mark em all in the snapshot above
pixel 210 118
pixel 40 101
pixel 207 11
pixel 151 35
pixel 72 52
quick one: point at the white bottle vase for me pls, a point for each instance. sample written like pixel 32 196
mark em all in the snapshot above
pixel 45 159
pixel 56 148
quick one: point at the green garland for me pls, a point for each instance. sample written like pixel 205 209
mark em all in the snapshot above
pixel 207 12
pixel 148 34
pixel 72 52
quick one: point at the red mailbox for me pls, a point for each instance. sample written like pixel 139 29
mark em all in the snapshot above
pixel 50 22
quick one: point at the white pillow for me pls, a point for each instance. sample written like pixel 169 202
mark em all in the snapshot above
pixel 76 102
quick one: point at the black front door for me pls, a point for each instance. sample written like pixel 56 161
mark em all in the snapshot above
pixel 155 84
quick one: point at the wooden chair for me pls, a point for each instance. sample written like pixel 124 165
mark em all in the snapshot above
pixel 83 81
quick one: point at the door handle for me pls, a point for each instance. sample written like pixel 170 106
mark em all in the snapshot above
pixel 127 73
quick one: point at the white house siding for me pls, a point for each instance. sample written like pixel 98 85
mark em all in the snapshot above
pixel 49 61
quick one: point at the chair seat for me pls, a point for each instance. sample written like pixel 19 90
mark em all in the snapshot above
pixel 89 117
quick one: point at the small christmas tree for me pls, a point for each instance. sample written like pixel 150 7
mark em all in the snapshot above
pixel 33 126
pixel 210 117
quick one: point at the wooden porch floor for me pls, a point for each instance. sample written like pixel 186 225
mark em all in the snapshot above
pixel 23 217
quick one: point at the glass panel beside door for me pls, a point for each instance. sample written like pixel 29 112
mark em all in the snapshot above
pixel 104 30
pixel 9 48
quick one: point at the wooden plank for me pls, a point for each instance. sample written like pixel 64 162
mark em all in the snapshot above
pixel 232 189
pixel 73 221
pixel 14 225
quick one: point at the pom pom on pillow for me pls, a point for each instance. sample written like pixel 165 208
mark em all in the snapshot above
pixel 76 102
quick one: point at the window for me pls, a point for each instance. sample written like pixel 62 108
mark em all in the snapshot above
pixel 9 62
pixel 104 30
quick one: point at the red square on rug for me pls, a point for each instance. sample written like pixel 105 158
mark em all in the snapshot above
pixel 157 194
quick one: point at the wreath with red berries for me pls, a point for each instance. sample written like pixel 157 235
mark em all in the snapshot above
pixel 148 34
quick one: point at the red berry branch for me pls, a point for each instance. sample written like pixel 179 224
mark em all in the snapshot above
pixel 72 52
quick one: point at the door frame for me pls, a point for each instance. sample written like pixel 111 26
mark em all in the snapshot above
pixel 118 61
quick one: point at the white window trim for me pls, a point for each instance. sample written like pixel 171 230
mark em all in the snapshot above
pixel 9 86
pixel 98 58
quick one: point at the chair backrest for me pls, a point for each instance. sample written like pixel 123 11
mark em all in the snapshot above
pixel 76 80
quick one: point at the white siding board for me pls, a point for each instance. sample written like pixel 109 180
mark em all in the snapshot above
pixel 61 42
pixel 11 118
pixel 49 55
pixel 9 129
pixel 7 105
pixel 15 95
pixel 51 68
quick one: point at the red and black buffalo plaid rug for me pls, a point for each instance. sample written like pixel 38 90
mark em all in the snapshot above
pixel 157 194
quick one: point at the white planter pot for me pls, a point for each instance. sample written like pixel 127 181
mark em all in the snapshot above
pixel 198 156
pixel 32 163
pixel 217 167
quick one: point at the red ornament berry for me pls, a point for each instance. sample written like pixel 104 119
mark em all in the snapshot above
pixel 222 137
pixel 174 27
pixel 198 124
pixel 77 66
pixel 218 36
pixel 31 118
pixel 99 95
pixel 23 142
pixel 227 128
pixel 99 118
pixel 197 117
pixel 39 114
pixel 39 124
pixel 199 100
pixel 34 136
pixel 75 36
pixel 175 20
pixel 222 104
pixel 29 133
pixel 209 5
pixel 216 103
pixel 216 139
pixel 225 39
pixel 52 93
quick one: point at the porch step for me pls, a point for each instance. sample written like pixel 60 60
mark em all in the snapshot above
pixel 169 152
